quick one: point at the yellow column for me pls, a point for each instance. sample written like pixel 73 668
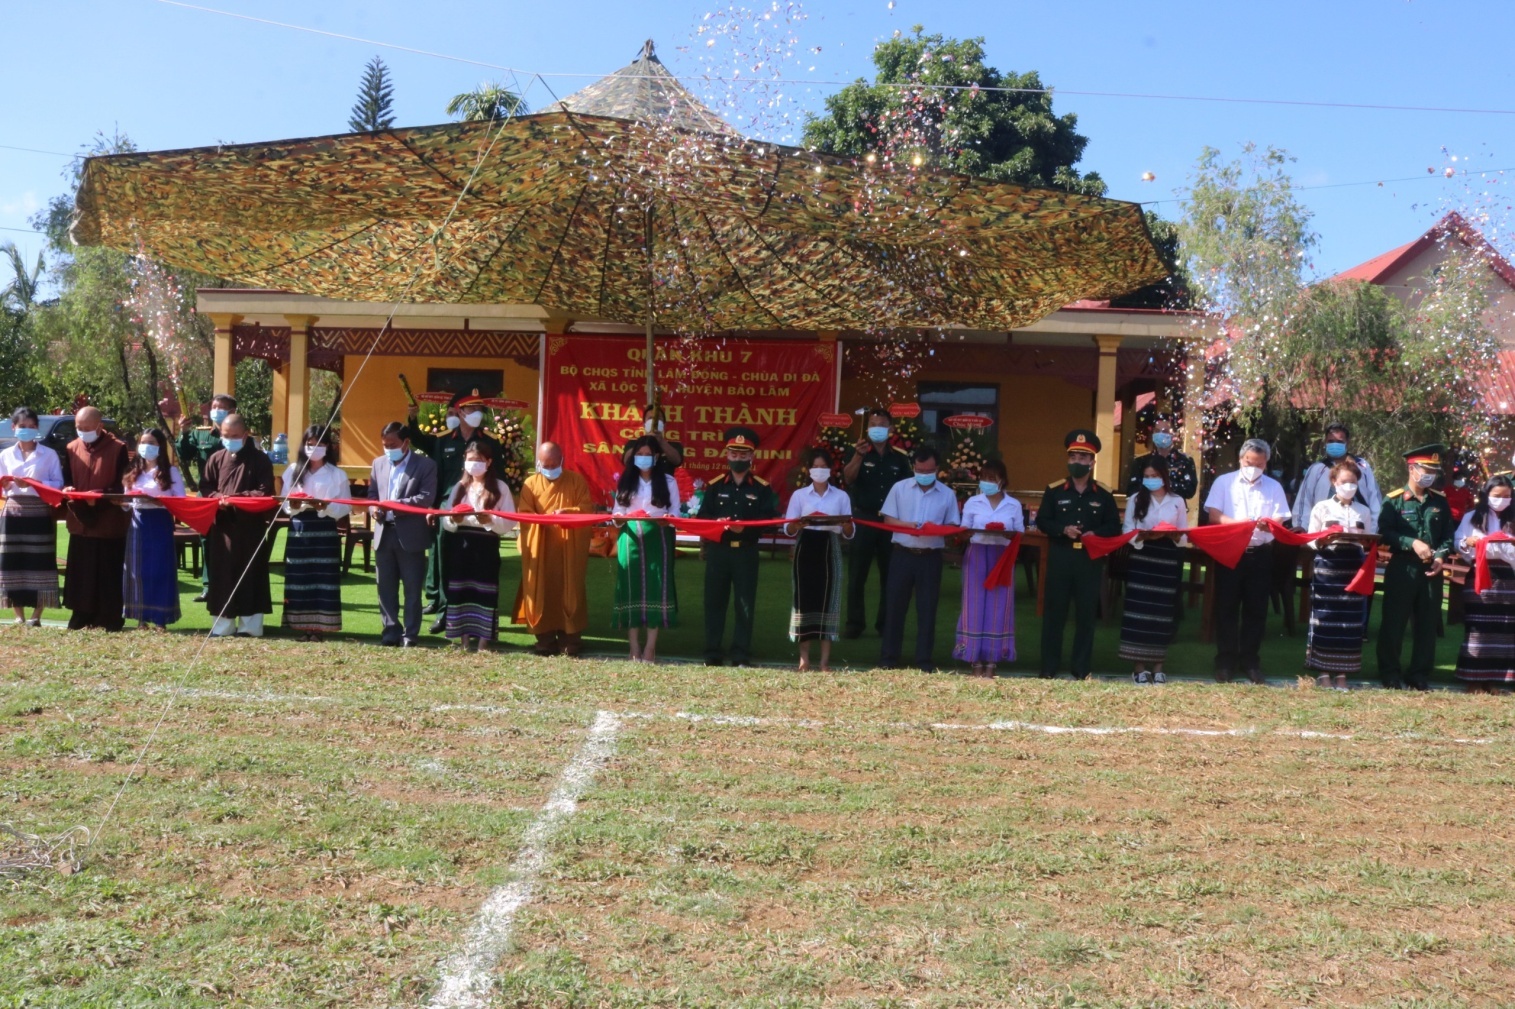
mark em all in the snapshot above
pixel 278 411
pixel 1194 415
pixel 297 416
pixel 223 374
pixel 1105 465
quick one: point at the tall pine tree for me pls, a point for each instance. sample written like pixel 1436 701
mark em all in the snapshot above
pixel 375 105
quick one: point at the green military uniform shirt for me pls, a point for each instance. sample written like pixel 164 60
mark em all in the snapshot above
pixel 880 470
pixel 1094 511
pixel 752 499
pixel 196 446
pixel 447 451
pixel 1403 520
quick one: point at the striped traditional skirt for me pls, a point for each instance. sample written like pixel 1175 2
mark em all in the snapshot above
pixel 986 623
pixel 28 553
pixel 313 574
pixel 645 593
pixel 150 581
pixel 1153 574
pixel 1488 651
pixel 473 584
pixel 817 607
pixel 1336 615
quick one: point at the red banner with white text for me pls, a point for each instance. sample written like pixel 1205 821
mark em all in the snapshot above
pixel 595 395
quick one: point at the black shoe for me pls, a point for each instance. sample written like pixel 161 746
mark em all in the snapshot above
pixel 203 597
pixel 852 633
pixel 432 609
pixel 1223 675
pixel 743 661
pixel 716 661
pixel 1256 676
pixel 438 626
pixel 1046 676
pixel 410 643
pixel 389 643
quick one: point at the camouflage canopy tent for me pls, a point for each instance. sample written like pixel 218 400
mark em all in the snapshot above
pixel 652 213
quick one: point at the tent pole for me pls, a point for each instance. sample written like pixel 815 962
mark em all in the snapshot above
pixel 652 387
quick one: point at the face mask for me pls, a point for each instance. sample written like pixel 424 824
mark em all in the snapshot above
pixel 148 451
pixel 1336 449
pixel 315 453
pixel 1162 440
pixel 394 454
pixel 1078 469
pixel 1499 504
pixel 740 465
pixel 643 462
pixel 1251 473
pixel 1346 491
pixel 925 479
pixel 26 434
pixel 878 435
pixel 474 418
pixel 1426 479
pixel 1459 482
pixel 820 474
pixel 551 474
pixel 1278 474
pixel 218 415
pixel 475 467
pixel 988 488
pixel 453 422
pixel 88 437
pixel 233 445
pixel 1152 483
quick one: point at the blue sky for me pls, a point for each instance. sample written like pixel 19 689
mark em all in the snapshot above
pixel 174 77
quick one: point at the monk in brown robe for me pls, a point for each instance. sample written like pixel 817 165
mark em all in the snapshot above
pixel 95 461
pixel 552 600
pixel 238 541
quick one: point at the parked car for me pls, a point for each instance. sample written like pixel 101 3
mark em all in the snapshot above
pixel 57 430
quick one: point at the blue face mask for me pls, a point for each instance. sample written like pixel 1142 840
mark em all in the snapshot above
pixel 878 435
pixel 26 434
pixel 395 454
pixel 551 474
pixel 988 488
pixel 148 451
pixel 925 479
pixel 1152 482
pixel 233 445
pixel 218 415
pixel 1162 440
pixel 1336 449
pixel 643 462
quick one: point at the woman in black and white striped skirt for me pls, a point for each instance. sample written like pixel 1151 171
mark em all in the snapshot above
pixel 1334 648
pixel 1487 658
pixel 1152 580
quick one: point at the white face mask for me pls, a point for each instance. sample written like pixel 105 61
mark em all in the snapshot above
pixel 1499 504
pixel 820 474
pixel 473 418
pixel 454 422
pixel 1251 473
pixel 1346 491
pixel 315 453
pixel 88 437
pixel 475 467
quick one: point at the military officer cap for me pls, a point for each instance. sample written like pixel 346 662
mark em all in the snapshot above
pixel 466 399
pixel 742 437
pixel 1082 440
pixel 1427 456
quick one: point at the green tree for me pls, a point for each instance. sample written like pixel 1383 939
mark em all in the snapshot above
pixel 490 100
pixel 374 109
pixel 911 114
pixel 18 301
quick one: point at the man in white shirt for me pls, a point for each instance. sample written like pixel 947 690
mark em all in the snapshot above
pixel 1242 592
pixel 915 564
pixel 1315 485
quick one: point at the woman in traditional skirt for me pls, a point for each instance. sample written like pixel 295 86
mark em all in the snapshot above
pixel 817 607
pixel 28 530
pixel 1334 648
pixel 473 553
pixel 1487 658
pixel 313 551
pixel 986 622
pixel 1153 573
pixel 645 593
pixel 150 579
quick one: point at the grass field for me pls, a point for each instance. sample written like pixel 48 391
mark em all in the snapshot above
pixel 320 825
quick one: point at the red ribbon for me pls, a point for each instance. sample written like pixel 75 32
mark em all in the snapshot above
pixel 1362 582
pixel 1482 579
pixel 1003 573
pixel 929 529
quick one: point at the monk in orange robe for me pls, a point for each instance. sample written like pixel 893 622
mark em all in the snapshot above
pixel 552 600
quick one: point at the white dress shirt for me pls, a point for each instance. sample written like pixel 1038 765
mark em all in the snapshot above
pixel 147 483
pixel 40 464
pixel 641 500
pixel 909 502
pixel 830 501
pixel 978 513
pixel 1234 498
pixel 474 497
pixel 1466 543
pixel 1172 509
pixel 324 484
pixel 1315 487
pixel 1353 517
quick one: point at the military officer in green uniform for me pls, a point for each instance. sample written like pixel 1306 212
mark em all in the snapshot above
pixel 872 467
pixel 731 566
pixel 1070 508
pixel 197 445
pixel 465 422
pixel 1416 525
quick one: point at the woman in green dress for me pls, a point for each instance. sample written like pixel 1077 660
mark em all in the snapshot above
pixel 645 595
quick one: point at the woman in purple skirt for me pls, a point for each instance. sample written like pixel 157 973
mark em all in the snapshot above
pixel 986 624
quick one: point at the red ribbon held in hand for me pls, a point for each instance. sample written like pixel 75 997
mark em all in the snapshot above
pixel 1483 580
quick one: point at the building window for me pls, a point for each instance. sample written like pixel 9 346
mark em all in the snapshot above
pixel 455 380
pixel 940 400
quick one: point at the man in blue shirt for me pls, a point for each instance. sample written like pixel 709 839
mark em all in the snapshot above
pixel 915 563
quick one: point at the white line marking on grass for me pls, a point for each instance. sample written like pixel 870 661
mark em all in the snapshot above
pixel 467 976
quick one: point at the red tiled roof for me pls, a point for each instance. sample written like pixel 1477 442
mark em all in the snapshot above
pixel 1455 225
